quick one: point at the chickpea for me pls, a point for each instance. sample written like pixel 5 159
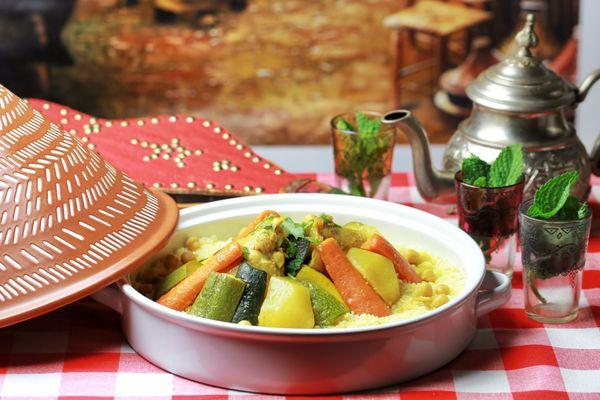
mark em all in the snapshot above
pixel 425 265
pixel 413 257
pixel 156 271
pixel 187 256
pixel 245 323
pixel 192 243
pixel 424 289
pixel 428 275
pixel 146 289
pixel 442 289
pixel 439 300
pixel 171 262
pixel 148 274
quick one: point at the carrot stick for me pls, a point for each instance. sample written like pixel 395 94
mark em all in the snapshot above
pixel 184 293
pixel 378 244
pixel 356 292
pixel 250 227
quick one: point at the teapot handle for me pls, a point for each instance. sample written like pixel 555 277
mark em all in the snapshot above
pixel 587 84
pixel 595 159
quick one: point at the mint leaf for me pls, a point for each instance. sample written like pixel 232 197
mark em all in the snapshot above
pixel 572 209
pixel 291 250
pixel 472 168
pixel 367 125
pixel 507 168
pixel 552 195
pixel 292 228
pixel 481 182
pixel 328 219
pixel 582 210
pixel 344 125
pixel 296 256
pixel 337 191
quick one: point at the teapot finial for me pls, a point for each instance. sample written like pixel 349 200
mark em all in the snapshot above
pixel 527 38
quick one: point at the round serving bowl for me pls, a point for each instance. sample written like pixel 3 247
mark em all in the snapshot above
pixel 312 361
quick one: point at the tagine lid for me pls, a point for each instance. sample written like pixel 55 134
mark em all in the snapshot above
pixel 70 223
pixel 522 83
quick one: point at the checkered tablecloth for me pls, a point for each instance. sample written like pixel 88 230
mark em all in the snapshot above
pixel 79 351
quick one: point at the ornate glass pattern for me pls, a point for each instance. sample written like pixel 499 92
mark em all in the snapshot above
pixel 363 163
pixel 553 255
pixel 489 216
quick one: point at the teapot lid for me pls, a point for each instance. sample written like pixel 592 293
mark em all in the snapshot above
pixel 522 83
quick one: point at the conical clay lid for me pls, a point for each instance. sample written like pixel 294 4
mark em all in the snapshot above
pixel 70 223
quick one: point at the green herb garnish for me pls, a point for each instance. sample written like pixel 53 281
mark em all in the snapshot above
pixel 506 170
pixel 481 181
pixel 295 245
pixel 296 251
pixel 362 154
pixel 337 191
pixel 328 219
pixel 474 168
pixel 306 225
pixel 552 199
pixel 292 228
pixel 344 125
pixel 245 252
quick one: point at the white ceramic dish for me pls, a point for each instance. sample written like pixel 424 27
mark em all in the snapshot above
pixel 302 361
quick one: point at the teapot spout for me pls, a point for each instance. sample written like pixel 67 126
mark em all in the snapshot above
pixel 433 185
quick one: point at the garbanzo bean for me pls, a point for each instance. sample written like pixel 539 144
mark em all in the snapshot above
pixel 428 275
pixel 413 257
pixel 187 256
pixel 439 300
pixel 425 265
pixel 171 262
pixel 192 243
pixel 442 289
pixel 424 289
pixel 245 323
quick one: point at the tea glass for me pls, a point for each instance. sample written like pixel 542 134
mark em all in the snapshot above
pixel 553 256
pixel 363 164
pixel 490 216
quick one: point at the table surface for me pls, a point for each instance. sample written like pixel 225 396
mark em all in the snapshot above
pixel 79 351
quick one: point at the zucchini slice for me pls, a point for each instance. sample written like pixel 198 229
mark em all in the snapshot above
pixel 176 276
pixel 253 296
pixel 219 297
pixel 326 308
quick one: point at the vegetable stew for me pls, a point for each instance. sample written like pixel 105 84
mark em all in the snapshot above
pixel 315 273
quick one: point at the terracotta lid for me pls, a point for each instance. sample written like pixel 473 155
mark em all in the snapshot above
pixel 70 223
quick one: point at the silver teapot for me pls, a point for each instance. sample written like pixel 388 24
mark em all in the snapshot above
pixel 518 100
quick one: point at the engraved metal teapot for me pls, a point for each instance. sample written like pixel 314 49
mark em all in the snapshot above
pixel 518 100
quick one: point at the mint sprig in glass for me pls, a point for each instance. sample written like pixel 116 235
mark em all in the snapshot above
pixel 554 229
pixel 488 198
pixel 363 150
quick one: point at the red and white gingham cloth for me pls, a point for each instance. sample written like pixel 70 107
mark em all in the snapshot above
pixel 79 351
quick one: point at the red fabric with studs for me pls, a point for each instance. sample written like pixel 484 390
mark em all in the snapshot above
pixel 179 154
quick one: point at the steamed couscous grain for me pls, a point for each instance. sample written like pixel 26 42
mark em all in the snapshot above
pixel 417 298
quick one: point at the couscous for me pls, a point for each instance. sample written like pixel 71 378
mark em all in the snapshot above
pixel 310 274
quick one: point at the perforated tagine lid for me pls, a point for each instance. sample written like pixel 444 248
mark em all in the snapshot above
pixel 522 83
pixel 70 223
